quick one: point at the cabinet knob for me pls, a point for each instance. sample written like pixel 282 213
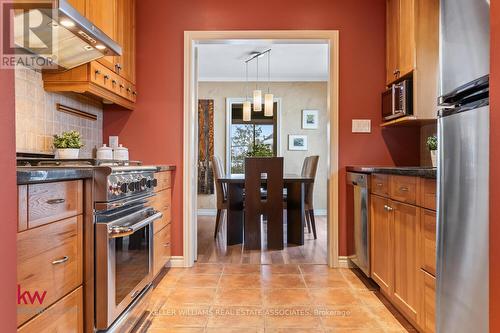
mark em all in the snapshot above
pixel 129 90
pixel 121 86
pixel 114 82
pixel 118 67
pixel 106 77
pixel 134 93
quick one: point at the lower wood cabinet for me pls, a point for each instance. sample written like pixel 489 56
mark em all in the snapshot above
pixel 381 243
pixel 64 316
pixel 403 246
pixel 162 201
pixel 428 320
pixel 405 289
pixel 162 249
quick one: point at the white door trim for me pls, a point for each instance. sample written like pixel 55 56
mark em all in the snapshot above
pixel 190 125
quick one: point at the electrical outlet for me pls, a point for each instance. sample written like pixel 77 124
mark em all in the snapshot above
pixel 361 126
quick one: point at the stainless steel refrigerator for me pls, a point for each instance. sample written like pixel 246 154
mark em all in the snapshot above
pixel 463 172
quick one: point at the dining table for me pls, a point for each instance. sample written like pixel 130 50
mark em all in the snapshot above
pixel 294 196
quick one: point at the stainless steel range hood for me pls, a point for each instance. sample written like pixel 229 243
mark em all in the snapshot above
pixel 59 35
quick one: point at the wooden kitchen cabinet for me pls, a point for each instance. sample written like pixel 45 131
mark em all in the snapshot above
pixel 403 244
pixel 405 288
pixel 381 243
pixel 110 79
pixel 412 51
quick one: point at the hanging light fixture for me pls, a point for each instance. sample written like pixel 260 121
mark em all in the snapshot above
pixel 268 98
pixel 247 106
pixel 257 94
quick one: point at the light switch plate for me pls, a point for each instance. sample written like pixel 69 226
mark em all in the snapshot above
pixel 361 126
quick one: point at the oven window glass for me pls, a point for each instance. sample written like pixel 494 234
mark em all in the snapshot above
pixel 132 262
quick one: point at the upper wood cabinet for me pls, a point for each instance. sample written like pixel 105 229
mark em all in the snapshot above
pixel 412 50
pixel 112 78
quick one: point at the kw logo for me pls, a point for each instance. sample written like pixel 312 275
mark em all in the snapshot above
pixel 26 297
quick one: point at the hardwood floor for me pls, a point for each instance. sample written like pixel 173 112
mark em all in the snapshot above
pixel 215 251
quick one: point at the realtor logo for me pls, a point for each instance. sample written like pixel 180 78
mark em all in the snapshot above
pixel 30 297
pixel 27 34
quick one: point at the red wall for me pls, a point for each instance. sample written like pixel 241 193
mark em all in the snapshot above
pixel 8 202
pixel 153 132
pixel 494 174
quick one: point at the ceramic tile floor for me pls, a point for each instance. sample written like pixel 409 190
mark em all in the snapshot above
pixel 268 298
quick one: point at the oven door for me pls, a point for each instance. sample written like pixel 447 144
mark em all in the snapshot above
pixel 124 259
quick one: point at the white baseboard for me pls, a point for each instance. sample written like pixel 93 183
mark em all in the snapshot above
pixel 344 262
pixel 206 212
pixel 177 261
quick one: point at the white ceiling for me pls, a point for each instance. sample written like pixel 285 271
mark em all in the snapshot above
pixel 289 62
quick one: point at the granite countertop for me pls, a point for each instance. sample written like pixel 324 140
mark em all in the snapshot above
pixel 424 172
pixel 166 167
pixel 33 175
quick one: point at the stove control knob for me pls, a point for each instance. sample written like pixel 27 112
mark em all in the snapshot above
pixel 155 182
pixel 123 187
pixel 143 183
pixel 137 186
pixel 149 183
pixel 131 186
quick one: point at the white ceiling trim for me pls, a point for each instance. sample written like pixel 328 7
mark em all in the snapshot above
pixel 275 79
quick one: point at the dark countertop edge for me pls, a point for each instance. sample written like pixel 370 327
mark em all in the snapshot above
pixel 34 175
pixel 423 172
pixel 166 167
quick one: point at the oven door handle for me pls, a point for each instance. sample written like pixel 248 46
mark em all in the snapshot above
pixel 120 231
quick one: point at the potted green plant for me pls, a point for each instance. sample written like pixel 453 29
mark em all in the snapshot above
pixel 67 145
pixel 432 145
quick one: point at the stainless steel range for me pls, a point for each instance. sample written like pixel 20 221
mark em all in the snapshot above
pixel 120 237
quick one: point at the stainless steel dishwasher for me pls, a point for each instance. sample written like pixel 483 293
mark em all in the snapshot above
pixel 358 220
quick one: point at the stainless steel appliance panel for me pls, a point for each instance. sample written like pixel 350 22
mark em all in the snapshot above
pixel 463 222
pixel 361 220
pixel 464 42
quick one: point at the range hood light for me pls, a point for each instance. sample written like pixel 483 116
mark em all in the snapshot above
pixel 100 47
pixel 67 23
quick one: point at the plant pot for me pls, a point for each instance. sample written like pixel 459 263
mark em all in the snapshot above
pixel 434 158
pixel 67 153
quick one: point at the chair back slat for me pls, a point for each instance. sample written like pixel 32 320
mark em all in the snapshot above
pixel 220 188
pixel 271 205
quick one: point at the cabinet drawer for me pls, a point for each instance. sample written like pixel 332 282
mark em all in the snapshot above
pixel 64 316
pixel 162 249
pixel 428 190
pixel 164 180
pixel 428 234
pixel 49 260
pixel 404 189
pixel 53 201
pixel 380 184
pixel 162 200
pixel 102 76
pixel 429 303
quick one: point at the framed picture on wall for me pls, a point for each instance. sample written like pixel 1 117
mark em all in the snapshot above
pixel 310 119
pixel 297 142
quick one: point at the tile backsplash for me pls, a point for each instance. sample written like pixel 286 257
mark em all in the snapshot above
pixel 37 117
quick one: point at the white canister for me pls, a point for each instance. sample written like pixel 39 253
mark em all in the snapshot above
pixel 113 141
pixel 120 153
pixel 104 153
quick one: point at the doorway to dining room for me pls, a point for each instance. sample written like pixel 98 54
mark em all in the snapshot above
pixel 301 129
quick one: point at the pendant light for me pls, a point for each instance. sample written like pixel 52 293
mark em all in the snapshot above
pixel 247 106
pixel 268 98
pixel 257 94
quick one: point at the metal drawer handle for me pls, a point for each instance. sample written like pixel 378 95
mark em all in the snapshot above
pixel 60 261
pixel 166 244
pixel 403 189
pixel 388 208
pixel 379 184
pixel 56 201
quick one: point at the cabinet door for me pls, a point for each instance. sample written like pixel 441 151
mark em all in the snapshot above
pixel 381 243
pixel 392 35
pixel 79 5
pixel 428 240
pixel 406 262
pixel 103 14
pixel 406 62
pixel 125 65
pixel 429 299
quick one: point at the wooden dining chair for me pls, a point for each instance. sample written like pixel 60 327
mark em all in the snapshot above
pixel 271 205
pixel 309 169
pixel 220 192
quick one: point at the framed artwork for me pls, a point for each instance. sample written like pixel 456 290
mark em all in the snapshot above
pixel 310 119
pixel 297 142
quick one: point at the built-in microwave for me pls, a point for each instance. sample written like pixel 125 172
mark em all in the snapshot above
pixel 397 101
